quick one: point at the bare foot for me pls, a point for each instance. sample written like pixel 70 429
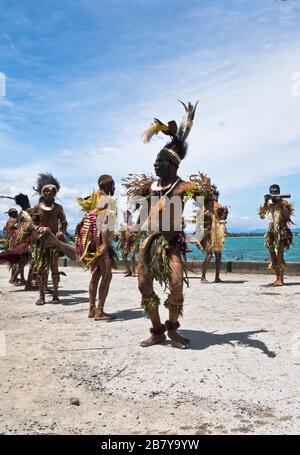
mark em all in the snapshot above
pixel 204 281
pixel 153 339
pixel 102 316
pixel 178 341
pixel 15 283
pixel 92 312
pixel 40 301
pixel 218 280
pixel 278 283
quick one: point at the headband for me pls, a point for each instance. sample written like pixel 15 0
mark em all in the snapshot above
pixel 173 154
pixel 49 187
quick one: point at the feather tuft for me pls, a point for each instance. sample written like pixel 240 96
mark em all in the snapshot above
pixel 153 129
pixel 46 179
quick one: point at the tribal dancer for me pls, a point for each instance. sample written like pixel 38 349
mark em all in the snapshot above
pixel 10 226
pixel 215 232
pixel 162 254
pixel 22 236
pixel 17 255
pixel 9 231
pixel 128 243
pixel 48 217
pixel 279 236
pixel 94 237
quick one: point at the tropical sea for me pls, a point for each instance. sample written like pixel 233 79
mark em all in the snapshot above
pixel 246 249
pixel 249 249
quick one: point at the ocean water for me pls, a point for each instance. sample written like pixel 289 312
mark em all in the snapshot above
pixel 246 249
pixel 249 249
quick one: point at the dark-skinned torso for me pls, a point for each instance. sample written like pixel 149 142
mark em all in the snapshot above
pixel 54 219
pixel 162 206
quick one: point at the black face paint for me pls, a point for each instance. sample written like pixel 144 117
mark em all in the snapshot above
pixel 162 165
pixel 48 196
pixel 274 190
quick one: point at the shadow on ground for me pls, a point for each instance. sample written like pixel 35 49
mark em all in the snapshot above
pixel 222 282
pixel 233 282
pixel 66 292
pixel 127 315
pixel 68 297
pixel 203 340
pixel 270 285
pixel 63 296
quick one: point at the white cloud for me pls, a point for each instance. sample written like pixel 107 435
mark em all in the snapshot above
pixel 246 130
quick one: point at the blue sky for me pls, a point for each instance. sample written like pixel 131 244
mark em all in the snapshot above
pixel 84 78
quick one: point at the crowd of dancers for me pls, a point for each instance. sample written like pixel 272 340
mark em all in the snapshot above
pixel 38 235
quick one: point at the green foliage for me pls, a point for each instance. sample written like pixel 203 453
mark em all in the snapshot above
pixel 3 244
pixel 149 304
pixel 156 258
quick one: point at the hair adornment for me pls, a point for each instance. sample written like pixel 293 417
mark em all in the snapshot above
pixel 177 147
pixel 45 180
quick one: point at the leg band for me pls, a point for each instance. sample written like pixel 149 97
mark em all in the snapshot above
pixel 158 330
pixel 177 305
pixel 149 303
pixel 172 325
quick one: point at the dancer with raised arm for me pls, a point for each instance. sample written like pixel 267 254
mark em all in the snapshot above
pixel 279 236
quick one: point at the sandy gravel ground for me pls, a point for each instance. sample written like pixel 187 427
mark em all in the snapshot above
pixel 242 374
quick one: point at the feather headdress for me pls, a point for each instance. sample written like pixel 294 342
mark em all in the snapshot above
pixel 46 180
pixel 170 129
pixel 20 199
pixel 177 147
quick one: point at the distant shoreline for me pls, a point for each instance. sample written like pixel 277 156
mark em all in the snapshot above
pixel 244 234
pixel 247 234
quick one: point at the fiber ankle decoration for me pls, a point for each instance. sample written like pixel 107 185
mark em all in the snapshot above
pixel 172 325
pixel 159 330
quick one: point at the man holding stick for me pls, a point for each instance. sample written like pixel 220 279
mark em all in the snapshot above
pixel 279 237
